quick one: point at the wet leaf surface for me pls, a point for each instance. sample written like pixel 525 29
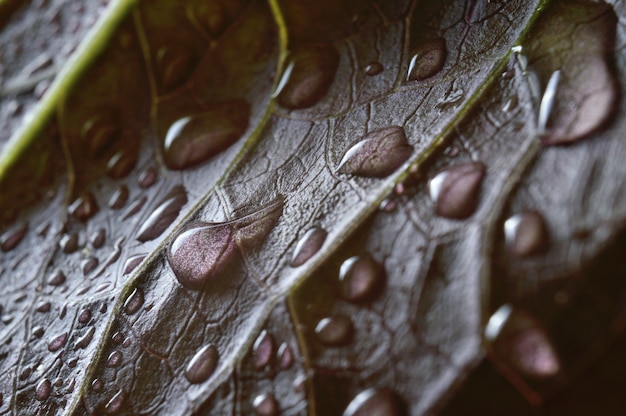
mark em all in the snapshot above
pixel 333 208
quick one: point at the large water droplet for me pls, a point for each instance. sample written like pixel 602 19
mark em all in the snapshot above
pixel 119 197
pixel 175 63
pixel 195 139
pixel 202 365
pixel 163 216
pixel 427 60
pixel 12 237
pixel 43 390
pixel 134 301
pixel 100 132
pixel 307 81
pixel 378 154
pixel 455 190
pixel 335 331
pixel 376 402
pixel 202 250
pixel 361 278
pixel 263 349
pixel 308 246
pixel 265 405
pixel 526 234
pixel 84 207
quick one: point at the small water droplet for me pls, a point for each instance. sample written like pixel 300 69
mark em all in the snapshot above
pixel 376 402
pixel 12 237
pixel 285 356
pixel 361 278
pixel 83 341
pixel 175 64
pixel 115 359
pixel 335 331
pixel 135 207
pixel 117 338
pixel 121 164
pixel 57 342
pixel 427 60
pixel 510 104
pixel 98 238
pixel 378 154
pixel 57 278
pixel 147 177
pixel 58 382
pixel 163 216
pixel 119 197
pixel 132 262
pixel 88 265
pixel 116 403
pixel 263 350
pixel 388 205
pixel 84 316
pixel 97 385
pixel 195 139
pixel 38 331
pixel 69 243
pixel 85 207
pixel 100 132
pixel 72 362
pixel 455 190
pixel 374 68
pixel 43 390
pixel 202 365
pixel 134 301
pixel 265 405
pixel 26 372
pixel 307 81
pixel 526 234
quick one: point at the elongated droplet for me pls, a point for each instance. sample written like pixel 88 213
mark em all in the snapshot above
pixel 308 246
pixel 11 238
pixel 285 356
pixel 376 402
pixel 195 139
pixel 335 331
pixel 378 154
pixel 201 251
pixel 265 405
pixel 100 132
pixel 526 234
pixel 263 350
pixel 132 262
pixel 547 102
pixel 175 63
pixel 134 301
pixel 310 77
pixel 84 341
pixel 84 207
pixel 202 365
pixel 427 60
pixel 361 278
pixel 135 207
pixel 163 216
pixel 57 342
pixel 119 197
pixel 455 190
pixel 43 390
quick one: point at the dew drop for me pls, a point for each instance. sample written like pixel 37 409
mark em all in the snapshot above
pixel 57 278
pixel 26 372
pixel 58 382
pixel 119 197
pixel 265 405
pixel 84 316
pixel 202 365
pixel 89 265
pixel 115 359
pixel 57 342
pixel 360 278
pixel 38 331
pixel 98 238
pixel 526 234
pixel 134 301
pixel 308 80
pixel 163 216
pixel 69 243
pixel 72 362
pixel 43 390
pixel 116 403
pixel 263 350
pixel 378 154
pixel 12 237
pixel 335 331
pixel 97 385
pixel 117 338
pixel 376 402
pixel 428 60
pixel 285 356
pixel 310 243
pixel 84 341
pixel 374 68
pixel 100 132
pixel 195 139
pixel 147 177
pixel 132 262
pixel 175 64
pixel 85 207
pixel 455 190
pixel 121 164
pixel 135 207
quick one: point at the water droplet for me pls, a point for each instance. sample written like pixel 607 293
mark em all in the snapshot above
pixel 376 402
pixel 97 385
pixel 378 154
pixel 132 262
pixel 175 64
pixel 38 331
pixel 12 237
pixel 374 68
pixel 57 342
pixel 526 234
pixel 163 216
pixel 455 190
pixel 195 139
pixel 26 372
pixel 310 77
pixel 69 243
pixel 265 405
pixel 428 60
pixel 115 359
pixel 84 316
pixel 117 338
pixel 89 265
pixel 100 132
pixel 57 278
pixel 119 197
pixel 134 301
pixel 84 207
pixel 83 341
pixel 43 390
pixel 58 382
pixel 361 278
pixel 135 207
pixel 147 177
pixel 263 350
pixel 202 365
pixel 121 164
pixel 285 356
pixel 116 403
pixel 98 238
pixel 335 331
pixel 201 251
pixel 308 246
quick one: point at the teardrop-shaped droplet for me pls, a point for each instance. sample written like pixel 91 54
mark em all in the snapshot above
pixel 310 77
pixel 115 359
pixel 361 278
pixel 134 301
pixel 378 154
pixel 175 63
pixel 135 207
pixel 43 307
pixel 335 331
pixel 147 177
pixel 119 197
pixel 43 390
pixel 308 246
pixel 116 403
pixel 266 405
pixel 121 164
pixel 100 132
pixel 98 238
pixel 195 139
pixel 526 234
pixel 84 341
pixel 163 216
pixel 374 68
pixel 263 349
pixel 455 190
pixel 69 243
pixel 202 365
pixel 376 402
pixel 57 278
pixel 12 237
pixel 84 207
pixel 57 342
pixel 89 265
pixel 132 262
pixel 427 60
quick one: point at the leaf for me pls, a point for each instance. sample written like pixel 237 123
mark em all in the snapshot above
pixel 311 208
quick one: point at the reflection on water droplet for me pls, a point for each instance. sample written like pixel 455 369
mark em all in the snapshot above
pixel 361 278
pixel 147 177
pixel 97 238
pixel 100 132
pixel 89 265
pixel 12 237
pixel 376 402
pixel 335 331
pixel 69 243
pixel 119 197
pixel 84 207
pixel 265 405
pixel 263 350
pixel 43 390
pixel 84 341
pixel 115 359
pixel 374 68
pixel 378 154
pixel 57 342
pixel 455 190
pixel 285 356
pixel 175 63
pixel 57 278
pixel 427 60
pixel 121 164
pixel 526 234
pixel 310 77
pixel 132 262
pixel 116 403
pixel 163 216
pixel 202 365
pixel 134 301
pixel 308 246
pixel 195 139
